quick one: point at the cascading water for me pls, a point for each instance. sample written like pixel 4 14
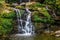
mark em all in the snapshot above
pixel 25 26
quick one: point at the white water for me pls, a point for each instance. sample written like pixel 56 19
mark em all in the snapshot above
pixel 25 26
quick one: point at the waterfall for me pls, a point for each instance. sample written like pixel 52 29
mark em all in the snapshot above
pixel 24 1
pixel 25 26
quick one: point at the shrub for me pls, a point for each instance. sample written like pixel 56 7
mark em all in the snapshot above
pixel 6 22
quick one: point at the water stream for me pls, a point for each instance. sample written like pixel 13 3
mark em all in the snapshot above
pixel 25 26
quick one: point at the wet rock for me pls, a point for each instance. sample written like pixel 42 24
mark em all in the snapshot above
pixel 57 33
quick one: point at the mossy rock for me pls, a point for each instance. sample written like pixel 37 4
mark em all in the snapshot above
pixel 20 7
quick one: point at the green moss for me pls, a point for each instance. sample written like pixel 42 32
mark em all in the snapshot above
pixel 42 15
pixel 44 11
pixel 20 7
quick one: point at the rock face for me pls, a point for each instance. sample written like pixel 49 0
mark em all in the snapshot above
pixel 40 1
pixel 57 33
pixel 24 0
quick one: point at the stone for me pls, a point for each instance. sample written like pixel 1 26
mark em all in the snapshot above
pixel 57 33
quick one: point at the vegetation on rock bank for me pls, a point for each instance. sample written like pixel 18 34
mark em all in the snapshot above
pixel 43 15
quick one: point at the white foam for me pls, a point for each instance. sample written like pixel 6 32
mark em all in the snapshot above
pixel 25 34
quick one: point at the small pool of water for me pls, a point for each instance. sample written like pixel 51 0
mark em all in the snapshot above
pixel 34 37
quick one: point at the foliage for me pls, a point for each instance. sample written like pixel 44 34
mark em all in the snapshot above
pixel 38 17
pixel 35 6
pixel 44 11
pixel 50 1
pixel 6 22
pixel 6 18
pixel 8 15
pixel 1 6
pixel 5 26
pixel 2 1
pixel 58 7
pixel 41 15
